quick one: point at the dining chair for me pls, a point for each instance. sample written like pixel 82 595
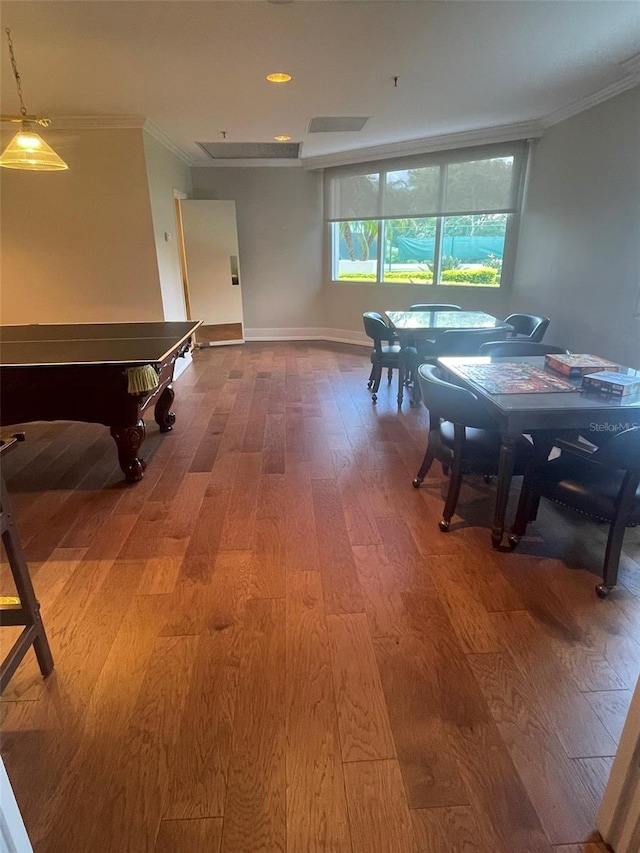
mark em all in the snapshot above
pixel 385 354
pixel 531 326
pixel 434 306
pixel 603 484
pixel 463 437
pixel 449 342
pixel 512 347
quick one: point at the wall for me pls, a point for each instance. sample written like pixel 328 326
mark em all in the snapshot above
pixel 166 173
pixel 78 246
pixel 279 213
pixel 579 254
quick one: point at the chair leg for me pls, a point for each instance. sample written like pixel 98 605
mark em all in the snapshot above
pixel 453 493
pixel 377 371
pixel 389 375
pixel 455 480
pixel 427 462
pixel 611 558
pixel 371 377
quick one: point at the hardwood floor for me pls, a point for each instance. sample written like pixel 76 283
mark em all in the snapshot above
pixel 268 645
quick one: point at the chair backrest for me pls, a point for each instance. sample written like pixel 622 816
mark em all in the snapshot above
pixel 376 328
pixel 502 349
pixel 465 341
pixel 451 403
pixel 434 306
pixel 621 451
pixel 531 326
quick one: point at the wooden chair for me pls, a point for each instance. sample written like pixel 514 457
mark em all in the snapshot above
pixel 450 342
pixel 385 354
pixel 531 326
pixel 504 349
pixel 23 609
pixel 601 483
pixel 463 437
pixel 434 306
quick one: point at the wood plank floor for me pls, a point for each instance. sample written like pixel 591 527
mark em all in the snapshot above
pixel 268 645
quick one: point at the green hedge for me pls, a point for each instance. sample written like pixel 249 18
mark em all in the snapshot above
pixel 484 275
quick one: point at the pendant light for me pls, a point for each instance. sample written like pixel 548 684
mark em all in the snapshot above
pixel 28 150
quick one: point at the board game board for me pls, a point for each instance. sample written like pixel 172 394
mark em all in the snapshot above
pixel 515 378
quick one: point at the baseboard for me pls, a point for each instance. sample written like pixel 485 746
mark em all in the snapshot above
pixel 338 336
pixel 207 344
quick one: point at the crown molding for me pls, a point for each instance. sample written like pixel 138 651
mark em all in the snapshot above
pixel 631 66
pixel 97 122
pixel 160 136
pixel 428 144
pixel 631 71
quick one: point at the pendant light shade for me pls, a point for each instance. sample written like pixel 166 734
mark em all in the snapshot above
pixel 28 150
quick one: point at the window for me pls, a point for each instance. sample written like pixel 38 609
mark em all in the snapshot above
pixel 444 218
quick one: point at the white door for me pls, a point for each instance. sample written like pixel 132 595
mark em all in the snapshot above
pixel 211 269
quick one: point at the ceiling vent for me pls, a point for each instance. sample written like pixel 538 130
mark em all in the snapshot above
pixel 251 150
pixel 336 124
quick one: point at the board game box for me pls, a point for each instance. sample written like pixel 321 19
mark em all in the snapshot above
pixel 610 383
pixel 578 364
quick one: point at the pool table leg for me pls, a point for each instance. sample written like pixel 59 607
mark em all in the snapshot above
pixel 128 441
pixel 165 418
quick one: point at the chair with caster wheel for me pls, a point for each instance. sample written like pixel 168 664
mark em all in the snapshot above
pixel 385 354
pixel 603 484
pixel 463 437
pixel 449 342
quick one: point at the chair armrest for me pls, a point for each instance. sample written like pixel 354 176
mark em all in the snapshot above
pixel 575 444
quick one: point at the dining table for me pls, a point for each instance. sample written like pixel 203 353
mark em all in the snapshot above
pixel 412 326
pixel 525 397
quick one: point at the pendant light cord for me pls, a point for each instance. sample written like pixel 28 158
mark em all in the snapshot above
pixel 23 109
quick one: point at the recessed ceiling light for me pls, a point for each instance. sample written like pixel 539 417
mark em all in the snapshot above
pixel 282 138
pixel 279 77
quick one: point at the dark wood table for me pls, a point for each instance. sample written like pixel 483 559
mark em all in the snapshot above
pixel 107 373
pixel 411 326
pixel 525 413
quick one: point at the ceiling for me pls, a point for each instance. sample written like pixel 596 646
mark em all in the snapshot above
pixel 470 69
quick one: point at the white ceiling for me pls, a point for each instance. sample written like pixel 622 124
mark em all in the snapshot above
pixel 196 69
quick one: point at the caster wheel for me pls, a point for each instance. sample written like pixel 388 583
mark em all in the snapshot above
pixel 488 478
pixel 444 526
pixel 374 398
pixel 602 591
pixel 416 482
pixel 513 542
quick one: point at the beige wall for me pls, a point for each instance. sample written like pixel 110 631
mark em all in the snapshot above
pixel 167 173
pixel 279 241
pixel 79 245
pixel 579 255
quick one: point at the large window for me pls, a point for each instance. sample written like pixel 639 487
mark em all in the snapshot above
pixel 444 219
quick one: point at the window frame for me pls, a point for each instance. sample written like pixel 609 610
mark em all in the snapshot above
pixel 518 149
